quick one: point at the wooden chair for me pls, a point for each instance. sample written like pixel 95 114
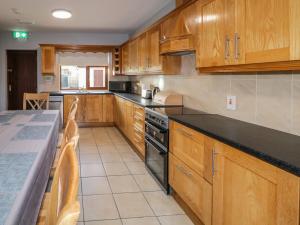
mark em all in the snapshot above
pixel 71 116
pixel 35 101
pixel 71 134
pixel 73 109
pixel 60 205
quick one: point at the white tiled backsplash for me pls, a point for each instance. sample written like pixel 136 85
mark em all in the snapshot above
pixel 268 99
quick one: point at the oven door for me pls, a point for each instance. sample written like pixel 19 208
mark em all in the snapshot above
pixel 157 162
pixel 159 134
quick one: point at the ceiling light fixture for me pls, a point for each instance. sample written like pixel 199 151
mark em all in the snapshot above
pixel 61 14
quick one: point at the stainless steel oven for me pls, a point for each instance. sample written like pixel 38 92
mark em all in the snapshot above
pixel 157 144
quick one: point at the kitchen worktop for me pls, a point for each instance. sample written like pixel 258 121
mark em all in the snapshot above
pixel 137 99
pixel 275 147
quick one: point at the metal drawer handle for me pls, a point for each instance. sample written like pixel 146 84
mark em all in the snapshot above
pixel 236 45
pixel 227 43
pixel 181 169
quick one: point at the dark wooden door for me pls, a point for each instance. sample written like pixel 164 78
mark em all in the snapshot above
pixel 21 76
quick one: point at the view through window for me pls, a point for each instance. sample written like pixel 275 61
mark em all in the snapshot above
pixel 80 77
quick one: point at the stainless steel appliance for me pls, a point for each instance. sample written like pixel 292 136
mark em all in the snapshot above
pixel 157 140
pixel 56 102
pixel 155 90
pixel 120 86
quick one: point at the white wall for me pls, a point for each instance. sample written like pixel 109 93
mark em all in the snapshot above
pixel 36 38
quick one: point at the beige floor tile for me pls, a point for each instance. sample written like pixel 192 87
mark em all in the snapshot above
pixel 130 157
pixel 141 221
pixel 136 167
pixel 88 150
pixel 81 208
pixel 123 184
pixel 111 157
pixel 90 158
pixel 132 205
pixel 175 220
pixel 92 170
pixel 124 148
pixel 147 183
pixel 95 186
pixel 118 168
pixel 105 222
pixel 107 148
pixel 162 204
pixel 99 207
pixel 80 223
pixel 79 188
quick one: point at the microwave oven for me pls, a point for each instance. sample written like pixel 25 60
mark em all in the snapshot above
pixel 120 86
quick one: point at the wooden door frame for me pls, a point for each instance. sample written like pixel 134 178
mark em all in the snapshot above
pixel 6 66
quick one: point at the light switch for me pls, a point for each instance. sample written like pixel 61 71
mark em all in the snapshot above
pixel 231 103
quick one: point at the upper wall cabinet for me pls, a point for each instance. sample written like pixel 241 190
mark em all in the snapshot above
pixel 245 32
pixel 178 30
pixel 48 60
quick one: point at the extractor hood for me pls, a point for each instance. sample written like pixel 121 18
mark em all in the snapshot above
pixel 181 45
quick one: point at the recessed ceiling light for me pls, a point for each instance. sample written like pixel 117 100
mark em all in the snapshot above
pixel 61 14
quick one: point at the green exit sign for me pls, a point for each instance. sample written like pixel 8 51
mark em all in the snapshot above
pixel 20 35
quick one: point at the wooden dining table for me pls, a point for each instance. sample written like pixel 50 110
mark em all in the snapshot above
pixel 28 142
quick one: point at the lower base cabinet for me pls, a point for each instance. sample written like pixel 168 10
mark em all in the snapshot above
pixel 91 108
pixel 192 188
pixel 249 191
pixel 244 190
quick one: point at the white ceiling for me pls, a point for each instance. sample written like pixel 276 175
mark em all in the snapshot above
pixel 88 15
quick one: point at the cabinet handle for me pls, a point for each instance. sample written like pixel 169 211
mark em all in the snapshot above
pixel 236 45
pixel 227 43
pixel 214 154
pixel 183 132
pixel 181 169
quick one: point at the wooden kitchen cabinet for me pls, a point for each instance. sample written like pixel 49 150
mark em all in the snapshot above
pixel 249 191
pixel 48 60
pixel 192 188
pixel 211 50
pixel 143 56
pixel 125 58
pixel 155 60
pixel 133 58
pixel 93 108
pixel 129 120
pixel 108 108
pixel 68 99
pixel 193 148
pixel 139 128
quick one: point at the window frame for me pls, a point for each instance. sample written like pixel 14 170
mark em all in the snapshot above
pixel 87 74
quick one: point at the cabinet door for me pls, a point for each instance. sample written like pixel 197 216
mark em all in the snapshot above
pixel 125 58
pixel 143 58
pixel 93 108
pixel 68 99
pixel 133 57
pixel 155 60
pixel 192 188
pixel 234 15
pixel 48 60
pixel 108 108
pixel 268 27
pixel 248 191
pixel 192 148
pixel 129 120
pixel 212 43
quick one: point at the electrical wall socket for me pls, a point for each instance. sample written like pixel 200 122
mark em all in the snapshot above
pixel 231 102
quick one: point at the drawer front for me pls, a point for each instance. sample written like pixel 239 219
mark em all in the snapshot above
pixel 139 141
pixel 139 113
pixel 192 188
pixel 192 148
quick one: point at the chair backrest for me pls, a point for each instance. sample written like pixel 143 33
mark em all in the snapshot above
pixel 70 214
pixel 73 109
pixel 36 101
pixel 64 188
pixel 71 134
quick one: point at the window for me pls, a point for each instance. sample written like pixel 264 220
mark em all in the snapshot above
pixel 78 77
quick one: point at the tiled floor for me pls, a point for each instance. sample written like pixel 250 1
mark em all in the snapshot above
pixel 115 187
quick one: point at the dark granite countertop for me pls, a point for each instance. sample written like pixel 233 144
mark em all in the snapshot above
pixel 137 99
pixel 62 93
pixel 275 147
